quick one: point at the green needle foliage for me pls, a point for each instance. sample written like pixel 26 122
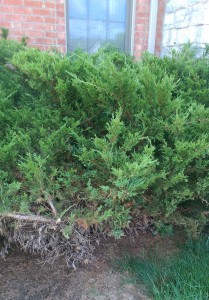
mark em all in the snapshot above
pixel 181 276
pixel 112 138
pixel 4 33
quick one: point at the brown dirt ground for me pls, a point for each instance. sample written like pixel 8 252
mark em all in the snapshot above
pixel 24 277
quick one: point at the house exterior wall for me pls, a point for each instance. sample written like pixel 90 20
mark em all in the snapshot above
pixel 44 23
pixel 185 21
pixel 141 31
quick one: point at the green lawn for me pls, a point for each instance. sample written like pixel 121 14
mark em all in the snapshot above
pixel 184 276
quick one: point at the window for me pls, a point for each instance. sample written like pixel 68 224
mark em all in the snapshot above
pixel 93 23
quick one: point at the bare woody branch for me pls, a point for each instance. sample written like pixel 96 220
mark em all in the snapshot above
pixel 29 218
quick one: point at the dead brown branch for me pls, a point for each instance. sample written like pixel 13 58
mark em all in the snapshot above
pixel 29 218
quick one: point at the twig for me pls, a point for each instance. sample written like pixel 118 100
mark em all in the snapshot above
pixel 52 207
pixel 30 218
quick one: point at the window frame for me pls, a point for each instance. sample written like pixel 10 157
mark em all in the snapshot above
pixel 129 25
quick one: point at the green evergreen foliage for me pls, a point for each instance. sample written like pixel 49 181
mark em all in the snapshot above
pixel 4 33
pixel 107 138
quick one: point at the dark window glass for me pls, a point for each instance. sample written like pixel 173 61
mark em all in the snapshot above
pixel 92 23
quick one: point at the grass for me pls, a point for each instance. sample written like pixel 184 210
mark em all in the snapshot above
pixel 183 276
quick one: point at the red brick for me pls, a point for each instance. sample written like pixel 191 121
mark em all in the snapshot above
pixel 61 41
pixel 21 10
pixel 60 6
pixel 42 12
pixel 50 20
pixel 50 34
pixel 61 1
pixel 35 33
pixel 12 17
pixel 34 19
pixel 60 21
pixel 5 24
pixel 142 2
pixel 60 14
pixel 142 14
pixel 42 41
pixel 6 9
pixel 60 28
pixel 16 32
pixel 13 2
pixel 33 3
pixel 49 5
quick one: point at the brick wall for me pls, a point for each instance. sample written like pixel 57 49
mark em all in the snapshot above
pixel 42 21
pixel 160 23
pixel 141 31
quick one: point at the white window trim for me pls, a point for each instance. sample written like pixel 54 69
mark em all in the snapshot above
pixel 152 25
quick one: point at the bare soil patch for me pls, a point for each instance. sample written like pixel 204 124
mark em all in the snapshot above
pixel 25 277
